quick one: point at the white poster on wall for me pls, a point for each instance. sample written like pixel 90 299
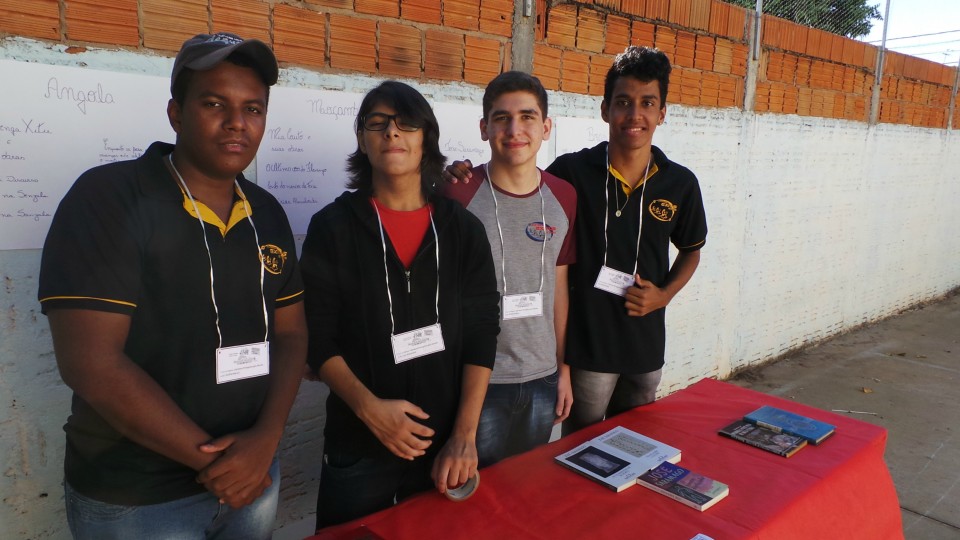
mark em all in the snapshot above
pixel 460 132
pixel 460 135
pixel 302 159
pixel 56 123
pixel 65 120
pixel 574 134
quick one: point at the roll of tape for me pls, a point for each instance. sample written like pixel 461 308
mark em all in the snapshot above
pixel 462 493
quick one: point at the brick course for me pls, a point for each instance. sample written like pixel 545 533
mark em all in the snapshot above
pixel 39 19
pixel 91 20
pixel 248 18
pixel 804 70
pixel 400 47
pixel 299 36
pixel 168 23
pixel 444 55
pixel 351 46
pixel 481 60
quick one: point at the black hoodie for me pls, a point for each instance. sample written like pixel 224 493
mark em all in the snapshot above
pixel 348 312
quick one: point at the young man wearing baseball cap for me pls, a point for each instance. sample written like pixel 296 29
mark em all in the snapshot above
pixel 174 300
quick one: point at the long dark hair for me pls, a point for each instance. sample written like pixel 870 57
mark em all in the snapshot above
pixel 407 102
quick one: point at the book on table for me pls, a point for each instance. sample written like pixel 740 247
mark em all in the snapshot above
pixel 616 458
pixel 779 420
pixel 767 439
pixel 681 484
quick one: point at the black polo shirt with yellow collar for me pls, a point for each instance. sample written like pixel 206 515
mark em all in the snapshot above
pixel 600 335
pixel 126 240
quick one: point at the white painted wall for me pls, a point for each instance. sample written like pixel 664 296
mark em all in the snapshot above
pixel 816 226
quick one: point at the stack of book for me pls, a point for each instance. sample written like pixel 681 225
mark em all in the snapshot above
pixel 616 458
pixel 621 458
pixel 775 430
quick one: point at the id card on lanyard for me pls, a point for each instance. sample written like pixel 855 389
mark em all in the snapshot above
pixel 610 279
pixel 243 362
pixel 239 361
pixel 519 305
pixel 419 341
pixel 613 281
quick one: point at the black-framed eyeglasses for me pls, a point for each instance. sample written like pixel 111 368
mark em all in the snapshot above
pixel 380 121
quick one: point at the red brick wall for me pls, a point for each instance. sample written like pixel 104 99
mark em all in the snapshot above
pixel 811 72
pixel 704 39
pixel 802 71
pixel 463 40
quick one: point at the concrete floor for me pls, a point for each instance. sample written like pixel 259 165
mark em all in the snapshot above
pixel 902 374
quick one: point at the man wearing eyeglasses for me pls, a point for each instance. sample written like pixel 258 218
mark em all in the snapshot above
pixel 401 304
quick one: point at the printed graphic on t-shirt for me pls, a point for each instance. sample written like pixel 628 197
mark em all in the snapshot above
pixel 663 209
pixel 273 258
pixel 537 231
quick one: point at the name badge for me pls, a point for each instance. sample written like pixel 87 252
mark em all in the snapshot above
pixel 613 281
pixel 243 362
pixel 417 343
pixel 520 306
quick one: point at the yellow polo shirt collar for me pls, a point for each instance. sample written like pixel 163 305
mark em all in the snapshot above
pixel 237 213
pixel 627 188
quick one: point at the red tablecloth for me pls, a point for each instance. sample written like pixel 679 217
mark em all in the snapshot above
pixel 840 489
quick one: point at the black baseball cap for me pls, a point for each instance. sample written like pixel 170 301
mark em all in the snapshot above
pixel 204 51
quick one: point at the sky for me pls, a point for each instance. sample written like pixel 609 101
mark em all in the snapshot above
pixel 914 17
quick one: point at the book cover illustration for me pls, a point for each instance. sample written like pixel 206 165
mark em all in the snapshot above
pixel 776 419
pixel 616 458
pixel 782 444
pixel 681 484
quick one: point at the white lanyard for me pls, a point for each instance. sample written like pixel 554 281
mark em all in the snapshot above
pixel 386 271
pixel 496 213
pixel 213 295
pixel 606 215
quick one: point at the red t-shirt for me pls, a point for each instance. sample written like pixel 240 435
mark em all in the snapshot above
pixel 405 228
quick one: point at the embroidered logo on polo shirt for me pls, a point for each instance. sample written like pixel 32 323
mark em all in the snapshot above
pixel 273 258
pixel 663 209
pixel 538 232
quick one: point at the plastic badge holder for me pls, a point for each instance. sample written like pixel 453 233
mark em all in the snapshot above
pixel 462 493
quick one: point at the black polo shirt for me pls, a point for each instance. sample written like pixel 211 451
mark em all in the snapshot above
pixel 123 241
pixel 600 335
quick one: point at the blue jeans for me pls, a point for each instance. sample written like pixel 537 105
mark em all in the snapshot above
pixel 197 517
pixel 599 395
pixel 352 487
pixel 516 418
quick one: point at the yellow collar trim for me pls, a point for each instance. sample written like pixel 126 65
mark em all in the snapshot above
pixel 627 188
pixel 237 214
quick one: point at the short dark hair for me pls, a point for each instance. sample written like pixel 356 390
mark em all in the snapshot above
pixel 642 63
pixel 178 89
pixel 409 103
pixel 514 81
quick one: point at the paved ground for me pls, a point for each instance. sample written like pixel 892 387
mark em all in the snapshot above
pixel 902 374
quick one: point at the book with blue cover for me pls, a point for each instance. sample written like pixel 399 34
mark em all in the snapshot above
pixel 790 423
